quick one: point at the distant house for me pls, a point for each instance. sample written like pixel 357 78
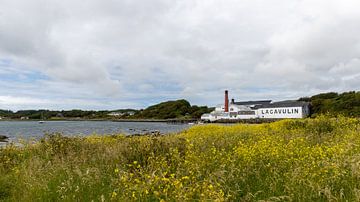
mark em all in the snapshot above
pixel 24 118
pixel 129 113
pixel 59 115
pixel 115 114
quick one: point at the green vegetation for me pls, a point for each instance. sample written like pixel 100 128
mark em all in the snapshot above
pixel 5 112
pixel 290 160
pixel 347 104
pixel 179 109
pixel 173 109
pixel 48 114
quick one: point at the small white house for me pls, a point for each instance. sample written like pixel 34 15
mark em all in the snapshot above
pixel 121 113
pixel 115 114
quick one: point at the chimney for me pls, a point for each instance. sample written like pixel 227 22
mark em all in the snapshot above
pixel 226 101
pixel 232 101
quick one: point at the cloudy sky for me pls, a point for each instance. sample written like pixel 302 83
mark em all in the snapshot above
pixel 96 54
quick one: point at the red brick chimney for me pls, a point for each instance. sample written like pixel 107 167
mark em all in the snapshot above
pixel 226 101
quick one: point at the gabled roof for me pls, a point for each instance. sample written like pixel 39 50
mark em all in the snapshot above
pixel 257 102
pixel 287 103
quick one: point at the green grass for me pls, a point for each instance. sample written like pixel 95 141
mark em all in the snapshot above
pixel 291 160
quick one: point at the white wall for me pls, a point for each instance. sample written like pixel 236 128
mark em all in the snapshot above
pixel 220 108
pixel 237 108
pixel 280 112
pixel 254 116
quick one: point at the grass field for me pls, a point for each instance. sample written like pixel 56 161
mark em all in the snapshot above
pixel 290 160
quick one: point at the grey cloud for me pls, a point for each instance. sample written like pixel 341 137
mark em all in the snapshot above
pixel 140 50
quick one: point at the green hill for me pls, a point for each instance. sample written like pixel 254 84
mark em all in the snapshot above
pixel 347 103
pixel 173 109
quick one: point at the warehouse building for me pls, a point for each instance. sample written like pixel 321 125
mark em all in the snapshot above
pixel 261 109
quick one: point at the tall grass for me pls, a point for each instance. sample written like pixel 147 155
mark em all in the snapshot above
pixel 290 160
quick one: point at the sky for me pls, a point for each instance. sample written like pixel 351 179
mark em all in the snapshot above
pixel 95 54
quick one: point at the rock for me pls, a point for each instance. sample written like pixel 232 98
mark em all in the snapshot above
pixel 147 133
pixel 3 138
pixel 155 133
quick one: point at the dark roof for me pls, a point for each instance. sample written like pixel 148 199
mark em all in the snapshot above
pixel 258 102
pixel 288 103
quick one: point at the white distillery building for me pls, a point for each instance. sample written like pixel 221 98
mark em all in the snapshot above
pixel 262 109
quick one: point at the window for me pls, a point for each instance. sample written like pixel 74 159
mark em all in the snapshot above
pixel 233 114
pixel 246 112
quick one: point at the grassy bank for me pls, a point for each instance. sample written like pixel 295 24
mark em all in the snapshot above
pixel 289 160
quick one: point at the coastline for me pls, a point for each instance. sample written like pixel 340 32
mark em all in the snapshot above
pixel 110 120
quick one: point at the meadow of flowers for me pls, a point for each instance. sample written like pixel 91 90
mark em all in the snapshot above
pixel 289 160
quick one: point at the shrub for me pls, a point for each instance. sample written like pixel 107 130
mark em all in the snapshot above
pixel 289 160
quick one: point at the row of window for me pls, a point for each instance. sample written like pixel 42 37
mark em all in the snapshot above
pixel 234 114
pixel 246 112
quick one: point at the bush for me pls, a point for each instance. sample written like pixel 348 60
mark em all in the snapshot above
pixel 289 160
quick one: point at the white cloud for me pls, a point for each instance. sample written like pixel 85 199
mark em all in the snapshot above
pixel 144 51
pixel 21 103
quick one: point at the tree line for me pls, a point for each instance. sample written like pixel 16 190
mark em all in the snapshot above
pixel 48 114
pixel 178 109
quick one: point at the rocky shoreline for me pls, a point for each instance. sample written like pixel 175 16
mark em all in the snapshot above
pixel 3 138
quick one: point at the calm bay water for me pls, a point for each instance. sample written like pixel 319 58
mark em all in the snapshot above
pixel 33 129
